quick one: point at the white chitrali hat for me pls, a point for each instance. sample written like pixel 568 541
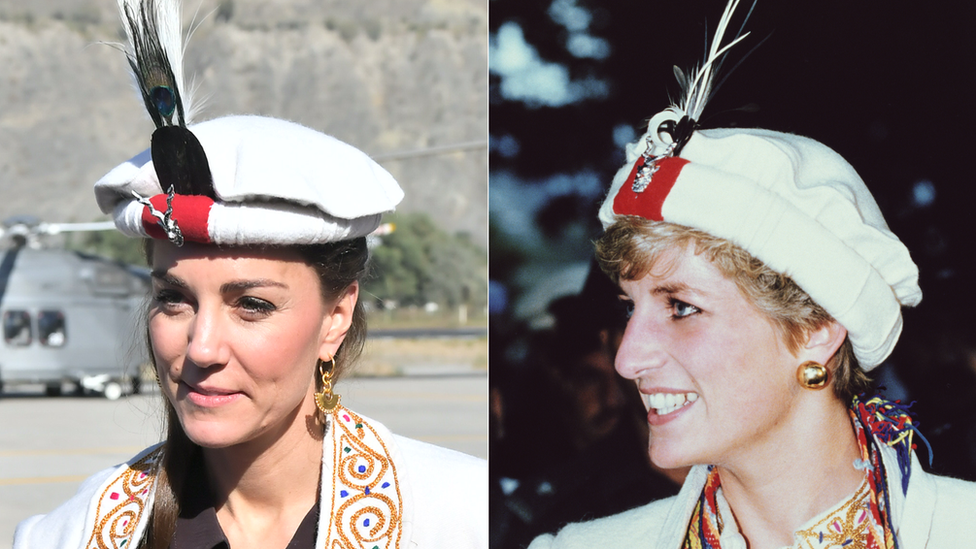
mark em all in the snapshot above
pixel 275 182
pixel 790 201
pixel 237 180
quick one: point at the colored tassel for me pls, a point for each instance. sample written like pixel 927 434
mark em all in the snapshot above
pixel 892 423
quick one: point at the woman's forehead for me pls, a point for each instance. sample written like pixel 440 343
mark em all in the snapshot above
pixel 165 252
pixel 206 261
pixel 682 268
pixel 669 260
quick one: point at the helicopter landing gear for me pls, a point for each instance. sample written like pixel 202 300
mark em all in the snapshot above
pixel 112 390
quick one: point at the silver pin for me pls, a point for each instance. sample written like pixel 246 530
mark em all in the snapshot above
pixel 166 221
pixel 650 167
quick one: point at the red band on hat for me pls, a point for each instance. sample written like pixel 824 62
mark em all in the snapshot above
pixel 648 204
pixel 190 212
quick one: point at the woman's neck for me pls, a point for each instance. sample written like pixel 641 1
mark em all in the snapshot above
pixel 269 483
pixel 807 468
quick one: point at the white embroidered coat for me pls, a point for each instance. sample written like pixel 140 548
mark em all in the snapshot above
pixel 936 513
pixel 388 492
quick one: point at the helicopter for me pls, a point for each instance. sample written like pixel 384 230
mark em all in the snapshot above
pixel 68 318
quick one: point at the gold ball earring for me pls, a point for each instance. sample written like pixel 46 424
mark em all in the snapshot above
pixel 325 400
pixel 813 375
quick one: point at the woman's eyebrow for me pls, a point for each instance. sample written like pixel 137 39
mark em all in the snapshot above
pixel 244 285
pixel 167 278
pixel 234 286
pixel 670 288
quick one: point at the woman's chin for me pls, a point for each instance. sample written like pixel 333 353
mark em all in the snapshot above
pixel 212 440
pixel 212 434
pixel 667 456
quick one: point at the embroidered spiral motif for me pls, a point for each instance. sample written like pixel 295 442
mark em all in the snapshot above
pixel 367 507
pixel 122 503
pixel 361 466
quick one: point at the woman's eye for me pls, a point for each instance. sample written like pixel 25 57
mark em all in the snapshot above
pixel 626 307
pixel 680 309
pixel 168 297
pixel 255 305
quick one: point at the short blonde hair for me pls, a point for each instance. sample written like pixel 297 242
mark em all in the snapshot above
pixel 629 249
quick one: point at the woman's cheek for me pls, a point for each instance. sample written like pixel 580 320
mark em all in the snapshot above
pixel 165 341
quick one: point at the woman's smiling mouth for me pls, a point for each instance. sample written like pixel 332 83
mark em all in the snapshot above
pixel 207 397
pixel 663 404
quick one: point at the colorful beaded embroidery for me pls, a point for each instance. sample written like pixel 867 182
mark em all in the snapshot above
pixel 862 522
pixel 850 525
pixel 366 502
pixel 122 503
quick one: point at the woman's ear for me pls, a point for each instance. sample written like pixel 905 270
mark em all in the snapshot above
pixel 338 319
pixel 822 343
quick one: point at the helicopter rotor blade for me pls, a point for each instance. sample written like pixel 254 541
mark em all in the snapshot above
pixel 58 228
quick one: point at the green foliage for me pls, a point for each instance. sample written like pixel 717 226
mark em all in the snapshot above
pixel 506 254
pixel 417 264
pixel 111 244
pixel 420 263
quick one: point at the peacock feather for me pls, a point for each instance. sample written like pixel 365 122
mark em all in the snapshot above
pixel 155 53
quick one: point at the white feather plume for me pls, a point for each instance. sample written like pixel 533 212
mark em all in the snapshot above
pixel 697 90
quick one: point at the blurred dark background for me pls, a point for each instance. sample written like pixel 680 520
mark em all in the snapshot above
pixel 889 85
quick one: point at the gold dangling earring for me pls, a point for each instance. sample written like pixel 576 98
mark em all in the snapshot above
pixel 813 375
pixel 326 400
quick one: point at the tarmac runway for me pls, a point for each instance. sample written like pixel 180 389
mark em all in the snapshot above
pixel 49 445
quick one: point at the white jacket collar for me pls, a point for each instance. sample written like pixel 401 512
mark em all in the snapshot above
pixel 369 503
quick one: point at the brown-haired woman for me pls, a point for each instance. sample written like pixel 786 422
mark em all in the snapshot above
pixel 763 283
pixel 257 246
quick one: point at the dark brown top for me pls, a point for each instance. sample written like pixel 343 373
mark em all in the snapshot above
pixel 197 526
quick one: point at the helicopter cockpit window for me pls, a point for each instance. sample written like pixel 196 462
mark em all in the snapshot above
pixel 50 328
pixel 110 280
pixel 17 328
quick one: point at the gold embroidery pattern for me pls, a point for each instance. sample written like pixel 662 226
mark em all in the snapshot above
pixel 848 526
pixel 121 505
pixel 366 502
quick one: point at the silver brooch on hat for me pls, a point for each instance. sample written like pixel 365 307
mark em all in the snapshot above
pixel 669 130
pixel 650 167
pixel 164 219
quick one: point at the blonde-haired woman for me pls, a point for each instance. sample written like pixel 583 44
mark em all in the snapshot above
pixel 763 284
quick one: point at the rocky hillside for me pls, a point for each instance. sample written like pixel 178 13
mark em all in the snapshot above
pixel 384 75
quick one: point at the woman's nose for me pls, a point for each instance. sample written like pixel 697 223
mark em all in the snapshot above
pixel 206 344
pixel 642 349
